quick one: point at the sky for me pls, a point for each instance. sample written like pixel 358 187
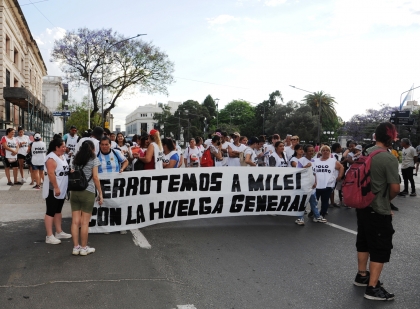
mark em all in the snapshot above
pixel 362 53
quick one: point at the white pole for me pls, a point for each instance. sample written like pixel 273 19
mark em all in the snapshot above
pixel 88 98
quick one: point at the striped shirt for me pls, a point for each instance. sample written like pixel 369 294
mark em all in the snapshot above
pixel 110 162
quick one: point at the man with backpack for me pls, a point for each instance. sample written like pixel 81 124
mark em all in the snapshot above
pixel 374 223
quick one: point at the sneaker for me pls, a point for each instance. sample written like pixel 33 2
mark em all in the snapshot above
pixel 413 194
pixel 23 180
pixel 320 219
pixel 123 232
pixel 62 235
pixel 86 250
pixel 32 183
pixel 76 250
pixel 52 240
pixel 10 183
pixel 300 222
pixel 362 280
pixel 393 207
pixel 403 193
pixel 310 214
pixel 18 183
pixel 36 187
pixel 378 293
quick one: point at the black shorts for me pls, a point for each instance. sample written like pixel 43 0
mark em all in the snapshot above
pixel 8 164
pixel 374 234
pixel 21 156
pixel 54 205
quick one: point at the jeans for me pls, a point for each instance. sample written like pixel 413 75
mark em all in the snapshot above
pixel 325 197
pixel 313 201
pixel 407 174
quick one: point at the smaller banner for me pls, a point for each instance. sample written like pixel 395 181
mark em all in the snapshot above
pixel 142 198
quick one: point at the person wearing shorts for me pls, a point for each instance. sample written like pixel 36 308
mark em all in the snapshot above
pixel 11 148
pixel 374 223
pixel 82 201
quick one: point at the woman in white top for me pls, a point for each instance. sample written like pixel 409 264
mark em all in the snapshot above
pixel 11 147
pixel 216 150
pixel 125 149
pixel 234 150
pixel 171 156
pixel 23 142
pixel 55 189
pixel 154 154
pixel 324 169
pixel 279 157
pixel 251 158
pixel 296 160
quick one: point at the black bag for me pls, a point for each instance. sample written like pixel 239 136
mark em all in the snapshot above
pixel 78 181
pixel 139 165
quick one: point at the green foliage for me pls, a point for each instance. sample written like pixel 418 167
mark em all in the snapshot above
pixel 79 117
pixel 238 114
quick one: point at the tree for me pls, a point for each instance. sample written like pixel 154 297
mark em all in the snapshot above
pixel 192 117
pixel 262 111
pixel 238 113
pixel 164 120
pixel 117 65
pixel 79 117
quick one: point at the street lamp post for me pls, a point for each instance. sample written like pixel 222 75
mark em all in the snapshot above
pixel 319 112
pixel 103 61
pixel 217 113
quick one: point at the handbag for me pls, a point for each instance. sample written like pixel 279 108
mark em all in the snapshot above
pixel 11 160
pixel 78 181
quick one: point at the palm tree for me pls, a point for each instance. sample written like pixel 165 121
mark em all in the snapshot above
pixel 322 104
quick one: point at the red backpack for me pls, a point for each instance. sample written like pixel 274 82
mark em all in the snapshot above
pixel 207 159
pixel 357 191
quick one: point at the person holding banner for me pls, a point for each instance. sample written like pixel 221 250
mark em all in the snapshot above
pixel 54 190
pixel 251 158
pixel 279 157
pixel 234 150
pixel 171 157
pixel 216 150
pixel 192 155
pixel 154 154
pixel 82 201
pixel 112 161
pixel 326 176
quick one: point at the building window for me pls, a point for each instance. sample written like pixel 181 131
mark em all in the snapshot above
pixel 15 83
pixel 7 46
pixel 16 56
pixel 7 103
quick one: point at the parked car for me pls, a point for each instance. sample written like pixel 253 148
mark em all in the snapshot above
pixel 3 133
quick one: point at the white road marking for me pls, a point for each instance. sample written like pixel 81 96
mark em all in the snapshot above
pixel 140 240
pixel 3 184
pixel 186 307
pixel 341 228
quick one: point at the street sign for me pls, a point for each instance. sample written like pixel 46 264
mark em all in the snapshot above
pixel 61 114
pixel 402 121
pixel 400 114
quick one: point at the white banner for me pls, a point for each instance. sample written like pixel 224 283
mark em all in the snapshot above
pixel 138 199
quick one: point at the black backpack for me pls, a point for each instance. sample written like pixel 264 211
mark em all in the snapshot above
pixel 78 181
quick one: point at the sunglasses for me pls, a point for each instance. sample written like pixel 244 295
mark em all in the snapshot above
pixel 294 139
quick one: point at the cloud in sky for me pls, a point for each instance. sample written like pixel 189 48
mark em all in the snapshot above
pixel 274 2
pixel 220 20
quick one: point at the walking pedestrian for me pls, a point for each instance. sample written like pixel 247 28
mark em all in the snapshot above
pixel 23 142
pixel 409 158
pixel 38 150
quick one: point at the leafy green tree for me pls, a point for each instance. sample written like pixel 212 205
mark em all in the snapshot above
pixel 192 117
pixel 79 117
pixel 240 114
pixel 165 121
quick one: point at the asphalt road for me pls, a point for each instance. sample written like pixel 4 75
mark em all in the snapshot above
pixel 242 262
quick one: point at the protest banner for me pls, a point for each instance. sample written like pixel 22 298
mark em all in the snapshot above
pixel 142 198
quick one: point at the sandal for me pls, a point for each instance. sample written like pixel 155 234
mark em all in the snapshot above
pixel 18 183
pixel 10 183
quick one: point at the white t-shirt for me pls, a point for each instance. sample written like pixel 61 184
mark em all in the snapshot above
pixel 61 175
pixel 298 162
pixel 236 161
pixel 92 139
pixel 207 142
pixel 201 148
pixel 408 155
pixel 250 151
pixel 71 143
pixel 11 143
pixel 38 153
pixel 23 142
pixel 158 155
pixel 276 161
pixel 213 149
pixel 325 173
pixel 289 152
pixel 225 155
pixel 190 151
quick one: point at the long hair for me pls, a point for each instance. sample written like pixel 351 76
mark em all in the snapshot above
pixel 297 147
pixel 277 144
pixel 55 142
pixel 156 138
pixel 85 153
pixel 168 143
pixel 124 141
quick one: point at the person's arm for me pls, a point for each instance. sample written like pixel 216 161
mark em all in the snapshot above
pixel 29 149
pixel 149 154
pixel 232 153
pixel 51 166
pixel 181 159
pixel 171 164
pixel 394 190
pixel 248 160
pixel 8 148
pixel 340 168
pixel 217 154
pixel 293 163
pixel 95 177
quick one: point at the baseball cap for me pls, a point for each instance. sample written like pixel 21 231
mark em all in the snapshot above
pixel 73 128
pixel 37 137
pixel 359 147
pixel 193 157
pixel 153 131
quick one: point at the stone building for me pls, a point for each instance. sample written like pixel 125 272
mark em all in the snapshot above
pixel 21 72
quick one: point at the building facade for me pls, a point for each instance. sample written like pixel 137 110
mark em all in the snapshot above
pixel 54 94
pixel 141 119
pixel 21 72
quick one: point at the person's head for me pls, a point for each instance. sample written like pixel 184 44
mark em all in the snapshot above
pixel 144 141
pixel 37 137
pixel 336 148
pixel 298 150
pixel 243 140
pixel 120 139
pixel 288 138
pixel 57 146
pixel 73 130
pixel 236 137
pixel 261 138
pixel 275 138
pixel 21 131
pixel 113 137
pixel 295 140
pixel 192 142
pixel 254 142
pixel 279 147
pixel 215 140
pixel 351 145
pixel 107 132
pixel 225 137
pixel 154 136
pixel 97 133
pixel 198 141
pixel 167 145
pixel 325 152
pixel 105 145
pixel 10 132
pixel 405 142
pixel 85 153
pixel 309 151
pixel 386 133
pixel 357 149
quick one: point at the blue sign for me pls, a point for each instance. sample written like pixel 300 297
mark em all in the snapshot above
pixel 61 114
